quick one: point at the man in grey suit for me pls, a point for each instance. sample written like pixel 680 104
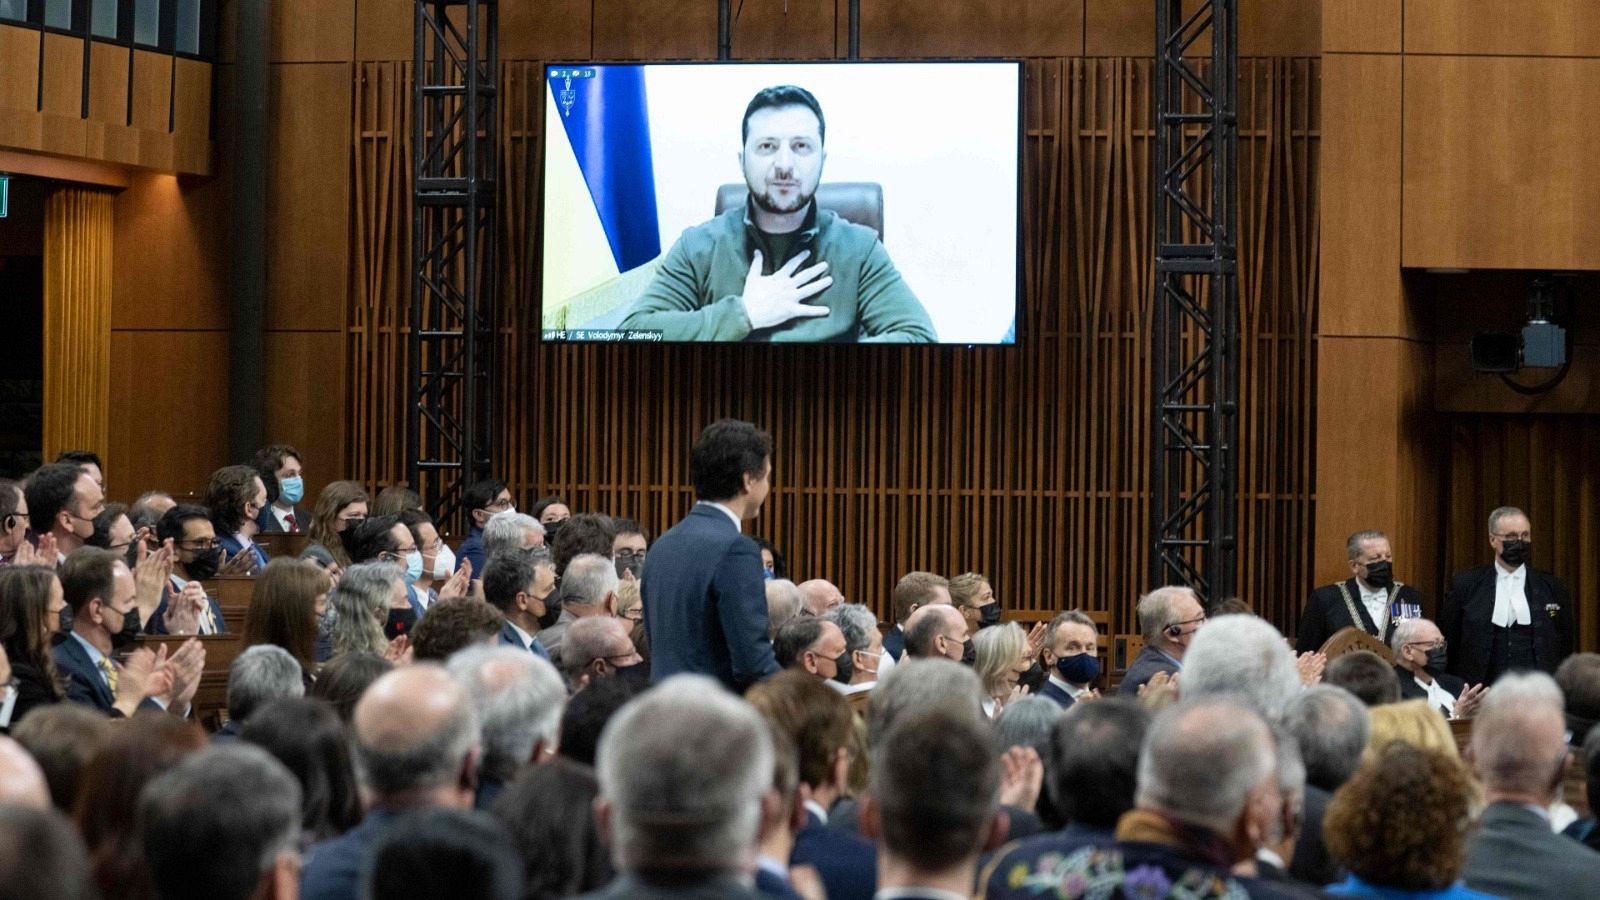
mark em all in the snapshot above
pixel 1168 617
pixel 1519 749
pixel 685 771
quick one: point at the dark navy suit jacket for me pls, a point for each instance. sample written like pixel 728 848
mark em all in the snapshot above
pixel 158 619
pixel 848 864
pixel 231 544
pixel 705 603
pixel 84 682
pixel 894 641
pixel 1062 698
pixel 332 868
pixel 771 885
pixel 268 523
pixel 1144 667
pixel 472 548
pixel 510 638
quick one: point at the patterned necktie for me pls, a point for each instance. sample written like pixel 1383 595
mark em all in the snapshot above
pixel 288 522
pixel 110 672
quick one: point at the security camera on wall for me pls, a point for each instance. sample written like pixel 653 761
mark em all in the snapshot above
pixel 1542 342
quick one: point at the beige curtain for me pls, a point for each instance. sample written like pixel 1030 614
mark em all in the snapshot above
pixel 77 320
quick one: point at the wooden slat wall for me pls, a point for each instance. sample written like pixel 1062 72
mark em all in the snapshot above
pixel 1028 463
pixel 77 319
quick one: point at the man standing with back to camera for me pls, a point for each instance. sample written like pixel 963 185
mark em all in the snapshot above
pixel 705 602
pixel 779 268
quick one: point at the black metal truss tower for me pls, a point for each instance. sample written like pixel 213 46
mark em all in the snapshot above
pixel 450 416
pixel 1194 353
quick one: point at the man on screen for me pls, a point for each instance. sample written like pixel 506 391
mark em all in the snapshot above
pixel 780 268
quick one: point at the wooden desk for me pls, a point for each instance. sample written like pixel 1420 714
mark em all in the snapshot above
pixel 211 699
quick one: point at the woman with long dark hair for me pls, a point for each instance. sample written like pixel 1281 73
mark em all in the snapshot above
pixel 289 599
pixel 31 606
pixel 307 736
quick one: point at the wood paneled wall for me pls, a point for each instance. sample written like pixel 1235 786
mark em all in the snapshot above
pixel 1028 464
pixel 141 108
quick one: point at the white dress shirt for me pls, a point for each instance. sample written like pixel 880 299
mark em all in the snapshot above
pixel 1511 597
pixel 1376 600
pixel 1072 690
pixel 282 515
pixel 523 636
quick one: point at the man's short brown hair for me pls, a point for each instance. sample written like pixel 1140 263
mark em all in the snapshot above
pixel 915 589
pixel 815 716
pixel 453 625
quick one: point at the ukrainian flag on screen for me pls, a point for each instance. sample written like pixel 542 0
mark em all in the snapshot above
pixel 600 195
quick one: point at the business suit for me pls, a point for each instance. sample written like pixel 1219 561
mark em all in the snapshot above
pixel 510 638
pixel 848 864
pixel 332 869
pixel 1050 691
pixel 1146 666
pixel 1327 614
pixel 232 546
pixel 705 602
pixel 472 549
pixel 1514 854
pixel 85 683
pixel 1311 862
pixel 158 619
pixel 33 691
pixel 1466 621
pixel 722 887
pixel 771 884
pixel 1410 690
pixel 267 521
pixel 894 641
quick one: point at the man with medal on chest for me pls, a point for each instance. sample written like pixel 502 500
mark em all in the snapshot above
pixel 1370 599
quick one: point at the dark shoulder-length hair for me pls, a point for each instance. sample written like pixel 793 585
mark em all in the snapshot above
pixel 283 609
pixel 25 625
pixel 308 737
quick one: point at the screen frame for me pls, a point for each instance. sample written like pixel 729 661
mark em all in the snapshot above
pixel 1019 299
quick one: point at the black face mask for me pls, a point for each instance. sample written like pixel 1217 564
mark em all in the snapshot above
pixel 637 676
pixel 400 621
pixel 969 653
pixel 1380 574
pixel 1438 659
pixel 1516 553
pixel 1033 679
pixel 552 611
pixel 550 529
pixel 129 633
pixel 64 625
pixel 989 616
pixel 204 565
pixel 844 666
pixel 626 564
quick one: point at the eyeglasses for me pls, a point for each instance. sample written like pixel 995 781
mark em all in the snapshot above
pixel 198 546
pixel 634 615
pixel 1440 644
pixel 626 553
pixel 499 505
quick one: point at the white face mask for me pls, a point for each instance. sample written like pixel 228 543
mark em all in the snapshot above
pixel 885 663
pixel 444 565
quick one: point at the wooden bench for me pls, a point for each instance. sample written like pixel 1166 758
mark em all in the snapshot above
pixel 210 707
pixel 287 545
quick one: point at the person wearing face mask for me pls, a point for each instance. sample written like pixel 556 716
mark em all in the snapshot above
pixel 31 608
pixel 598 647
pixel 972 594
pixel 938 630
pixel 385 539
pixel 236 495
pixel 483 500
pixel 864 648
pixel 438 560
pixel 1507 614
pixel 773 564
pixel 552 513
pixel 519 585
pixel 813 646
pixel 64 500
pixel 196 558
pixel 280 464
pixel 1421 658
pixel 114 531
pixel 588 589
pixel 98 589
pixel 1168 619
pixel 1071 657
pixel 1370 599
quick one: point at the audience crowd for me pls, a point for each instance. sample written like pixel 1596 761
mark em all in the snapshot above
pixel 563 704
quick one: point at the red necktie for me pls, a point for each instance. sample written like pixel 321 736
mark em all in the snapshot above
pixel 289 521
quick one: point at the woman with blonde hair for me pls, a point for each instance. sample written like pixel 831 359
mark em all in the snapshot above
pixel 359 607
pixel 1411 722
pixel 1001 658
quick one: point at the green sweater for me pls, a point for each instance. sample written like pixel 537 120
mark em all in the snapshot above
pixel 696 293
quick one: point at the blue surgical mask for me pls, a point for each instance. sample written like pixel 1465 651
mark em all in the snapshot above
pixel 413 566
pixel 1079 669
pixel 291 490
pixel 768 574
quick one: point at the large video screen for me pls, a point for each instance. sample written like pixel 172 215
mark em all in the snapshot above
pixel 785 202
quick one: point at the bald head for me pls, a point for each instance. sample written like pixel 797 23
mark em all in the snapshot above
pixel 416 732
pixel 820 596
pixel 598 645
pixel 936 630
pixel 21 780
